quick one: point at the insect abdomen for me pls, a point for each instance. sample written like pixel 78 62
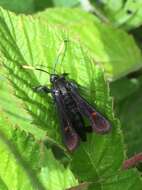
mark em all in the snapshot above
pixel 69 102
pixel 76 117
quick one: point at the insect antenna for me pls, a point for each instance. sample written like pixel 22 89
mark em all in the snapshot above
pixel 34 68
pixel 62 49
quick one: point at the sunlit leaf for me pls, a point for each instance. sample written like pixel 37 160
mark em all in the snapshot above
pixel 32 41
pixel 112 48
pixel 27 164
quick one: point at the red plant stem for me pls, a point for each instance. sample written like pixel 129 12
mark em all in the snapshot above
pixel 133 161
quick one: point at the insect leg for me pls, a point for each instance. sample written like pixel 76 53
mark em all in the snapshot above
pixel 42 89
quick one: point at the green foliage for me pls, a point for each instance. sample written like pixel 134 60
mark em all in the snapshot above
pixel 132 129
pixel 129 110
pixel 112 48
pixel 32 6
pixel 27 164
pixel 32 153
pixel 124 87
pixel 127 93
pixel 125 14
pixel 64 3
pixel 18 6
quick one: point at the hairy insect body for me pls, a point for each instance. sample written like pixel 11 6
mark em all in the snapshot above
pixel 75 116
pixel 71 108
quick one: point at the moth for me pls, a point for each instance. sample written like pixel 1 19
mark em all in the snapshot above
pixel 73 110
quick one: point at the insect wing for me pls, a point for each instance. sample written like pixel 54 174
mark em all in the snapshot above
pixel 70 137
pixel 99 123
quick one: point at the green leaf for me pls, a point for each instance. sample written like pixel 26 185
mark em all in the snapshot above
pixel 109 5
pixel 130 115
pixel 75 62
pixel 33 6
pixel 26 7
pixel 26 164
pixel 31 41
pixel 64 3
pixel 42 4
pixel 120 181
pixel 3 185
pixel 130 16
pixel 124 14
pixel 13 168
pixel 127 96
pixel 112 48
pixel 58 177
pixel 137 35
pixel 123 88
pixel 18 6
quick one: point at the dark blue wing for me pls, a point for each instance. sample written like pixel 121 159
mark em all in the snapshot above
pixel 70 137
pixel 98 122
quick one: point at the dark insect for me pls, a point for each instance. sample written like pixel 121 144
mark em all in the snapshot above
pixel 73 110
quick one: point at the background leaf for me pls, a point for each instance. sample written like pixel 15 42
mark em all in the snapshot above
pixel 130 115
pixel 18 6
pixel 112 48
pixel 123 88
pixel 33 41
pixel 127 105
pixel 64 3
pixel 33 6
pixel 125 14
